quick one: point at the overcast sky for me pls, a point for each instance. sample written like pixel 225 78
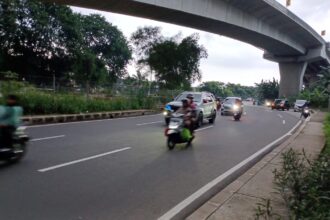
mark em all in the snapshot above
pixel 229 60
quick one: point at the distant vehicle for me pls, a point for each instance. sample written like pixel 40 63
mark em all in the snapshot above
pixel 305 112
pixel 205 107
pixel 281 104
pixel 268 103
pixel 228 105
pixel 299 104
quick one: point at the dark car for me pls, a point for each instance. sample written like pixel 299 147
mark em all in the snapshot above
pixel 227 107
pixel 205 106
pixel 281 104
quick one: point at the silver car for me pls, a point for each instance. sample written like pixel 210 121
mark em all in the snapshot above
pixel 205 106
pixel 298 105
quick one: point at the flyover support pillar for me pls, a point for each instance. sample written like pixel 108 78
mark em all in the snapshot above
pixel 291 78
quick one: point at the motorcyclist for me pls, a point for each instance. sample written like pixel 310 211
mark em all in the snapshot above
pixel 238 102
pixel 218 101
pixel 193 107
pixel 10 116
pixel 303 108
pixel 187 111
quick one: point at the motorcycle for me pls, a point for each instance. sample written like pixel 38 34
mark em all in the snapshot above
pixel 237 113
pixel 175 130
pixel 18 150
pixel 306 113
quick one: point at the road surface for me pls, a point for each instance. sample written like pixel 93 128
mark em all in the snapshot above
pixel 121 168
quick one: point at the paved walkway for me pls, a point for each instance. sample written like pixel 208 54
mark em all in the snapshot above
pixel 238 201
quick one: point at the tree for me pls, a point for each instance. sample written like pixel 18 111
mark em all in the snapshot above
pixel 107 43
pixel 177 64
pixel 224 90
pixel 268 89
pixel 45 39
pixel 91 70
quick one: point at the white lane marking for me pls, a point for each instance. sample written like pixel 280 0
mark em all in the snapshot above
pixel 149 123
pixel 201 129
pixel 81 160
pixel 283 122
pixel 89 121
pixel 178 208
pixel 280 116
pixel 48 138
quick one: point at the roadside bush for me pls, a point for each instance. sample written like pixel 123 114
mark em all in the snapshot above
pixel 305 185
pixel 327 134
pixel 38 102
pixel 316 97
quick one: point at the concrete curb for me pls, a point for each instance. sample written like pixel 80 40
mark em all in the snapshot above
pixel 223 195
pixel 48 119
pixel 196 200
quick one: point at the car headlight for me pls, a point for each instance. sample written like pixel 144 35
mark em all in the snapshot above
pixel 235 107
pixel 165 113
pixel 267 103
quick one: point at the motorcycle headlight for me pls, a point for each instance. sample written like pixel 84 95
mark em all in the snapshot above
pixel 306 111
pixel 165 113
pixel 235 107
pixel 267 103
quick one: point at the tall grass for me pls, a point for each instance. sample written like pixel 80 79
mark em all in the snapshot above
pixel 38 102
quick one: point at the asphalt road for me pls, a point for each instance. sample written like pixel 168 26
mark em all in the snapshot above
pixel 121 168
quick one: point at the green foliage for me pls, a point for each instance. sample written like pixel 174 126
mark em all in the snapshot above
pixel 316 97
pixel 305 185
pixel 45 39
pixel 224 90
pixel 268 90
pixel 175 63
pixel 327 134
pixel 36 102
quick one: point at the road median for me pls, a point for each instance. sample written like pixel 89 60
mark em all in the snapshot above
pixel 61 118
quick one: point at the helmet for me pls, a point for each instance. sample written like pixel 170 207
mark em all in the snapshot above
pixel 190 96
pixel 184 100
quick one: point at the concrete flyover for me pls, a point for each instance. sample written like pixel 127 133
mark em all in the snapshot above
pixel 266 24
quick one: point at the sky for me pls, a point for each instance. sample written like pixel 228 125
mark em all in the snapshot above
pixel 228 60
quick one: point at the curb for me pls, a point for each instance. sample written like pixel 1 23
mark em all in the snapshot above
pixel 48 119
pixel 196 200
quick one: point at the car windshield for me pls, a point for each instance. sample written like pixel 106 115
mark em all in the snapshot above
pixel 278 101
pixel 197 97
pixel 299 102
pixel 230 101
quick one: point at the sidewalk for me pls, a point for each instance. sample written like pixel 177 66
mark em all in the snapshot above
pixel 238 201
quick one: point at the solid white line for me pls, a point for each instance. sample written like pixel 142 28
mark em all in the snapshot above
pixel 201 129
pixel 81 160
pixel 149 123
pixel 89 121
pixel 48 138
pixel 175 210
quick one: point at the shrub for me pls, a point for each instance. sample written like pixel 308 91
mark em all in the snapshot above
pixel 327 134
pixel 39 102
pixel 305 185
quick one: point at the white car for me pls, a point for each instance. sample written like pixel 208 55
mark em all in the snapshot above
pixel 299 104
